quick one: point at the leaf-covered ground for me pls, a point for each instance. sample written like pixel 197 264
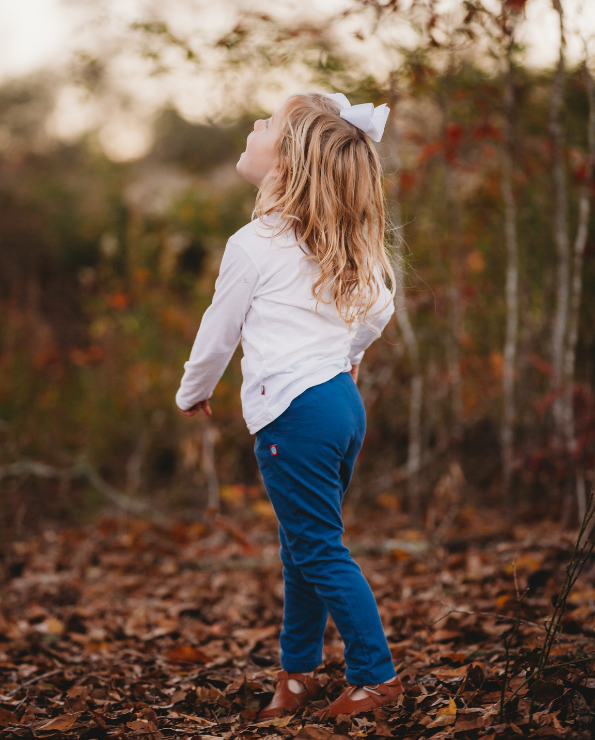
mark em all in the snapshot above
pixel 130 629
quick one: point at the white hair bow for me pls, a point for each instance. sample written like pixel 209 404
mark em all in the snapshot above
pixel 367 118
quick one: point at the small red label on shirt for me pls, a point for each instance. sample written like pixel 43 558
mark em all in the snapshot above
pixel 262 390
pixel 274 450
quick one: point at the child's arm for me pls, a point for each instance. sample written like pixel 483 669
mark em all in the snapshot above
pixel 366 334
pixel 220 330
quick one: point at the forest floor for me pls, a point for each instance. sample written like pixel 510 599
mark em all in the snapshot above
pixel 127 628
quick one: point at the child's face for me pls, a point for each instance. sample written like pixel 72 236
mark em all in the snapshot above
pixel 261 147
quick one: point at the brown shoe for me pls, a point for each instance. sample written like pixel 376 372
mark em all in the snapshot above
pixel 378 696
pixel 284 698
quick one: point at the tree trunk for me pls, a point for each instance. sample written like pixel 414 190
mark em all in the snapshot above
pixel 415 405
pixel 209 437
pixel 560 325
pixel 455 307
pixel 575 293
pixel 512 295
pixel 414 450
pixel 455 301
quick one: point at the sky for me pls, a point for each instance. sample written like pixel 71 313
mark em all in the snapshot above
pixel 37 33
pixel 42 34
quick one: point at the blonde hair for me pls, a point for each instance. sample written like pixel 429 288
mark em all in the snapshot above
pixel 326 184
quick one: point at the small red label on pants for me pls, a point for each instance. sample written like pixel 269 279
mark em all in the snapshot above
pixel 262 390
pixel 274 450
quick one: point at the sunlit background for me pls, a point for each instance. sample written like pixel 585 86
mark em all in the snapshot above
pixel 120 126
pixel 44 35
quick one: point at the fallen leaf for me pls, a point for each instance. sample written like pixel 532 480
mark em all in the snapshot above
pixel 455 657
pixel 165 627
pixel 445 715
pixel 99 720
pixel 446 635
pixel 383 729
pixel 61 723
pixel 252 636
pixel 188 654
pixel 147 713
pixel 193 718
pixel 501 601
pixel 312 732
pixel 7 717
pixel 464 723
pixel 78 692
pixel 276 721
pixel 450 672
pixel 442 721
pixel 142 725
pixel 51 626
pixel 547 732
pixel 463 670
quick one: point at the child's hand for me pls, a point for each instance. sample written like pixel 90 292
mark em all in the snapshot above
pixel 193 410
pixel 354 372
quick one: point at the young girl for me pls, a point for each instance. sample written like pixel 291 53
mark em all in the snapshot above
pixel 303 287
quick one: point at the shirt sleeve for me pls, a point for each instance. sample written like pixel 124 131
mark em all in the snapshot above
pixel 221 327
pixel 381 312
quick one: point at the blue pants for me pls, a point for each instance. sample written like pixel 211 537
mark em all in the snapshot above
pixel 306 457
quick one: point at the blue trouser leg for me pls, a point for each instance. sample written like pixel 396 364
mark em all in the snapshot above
pixel 302 636
pixel 317 440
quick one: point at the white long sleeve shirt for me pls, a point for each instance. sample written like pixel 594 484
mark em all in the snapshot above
pixel 263 297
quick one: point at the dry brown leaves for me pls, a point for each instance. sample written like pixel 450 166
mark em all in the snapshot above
pixel 127 629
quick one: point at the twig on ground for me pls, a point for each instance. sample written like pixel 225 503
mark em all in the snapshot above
pixel 454 610
pixel 508 642
pixel 582 551
pixel 33 680
pixel 80 470
pixel 549 668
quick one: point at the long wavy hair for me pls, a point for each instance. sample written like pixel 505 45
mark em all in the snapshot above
pixel 326 185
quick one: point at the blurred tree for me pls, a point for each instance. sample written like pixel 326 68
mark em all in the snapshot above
pixel 106 267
